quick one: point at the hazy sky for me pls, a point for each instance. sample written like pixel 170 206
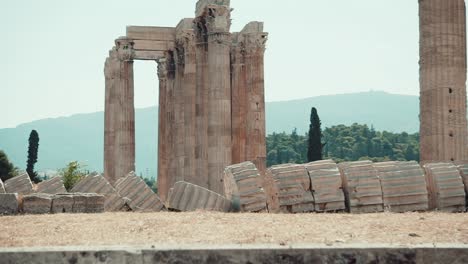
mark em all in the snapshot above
pixel 55 49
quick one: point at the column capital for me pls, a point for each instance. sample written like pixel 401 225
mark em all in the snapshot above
pixel 254 41
pixel 124 49
pixel 217 18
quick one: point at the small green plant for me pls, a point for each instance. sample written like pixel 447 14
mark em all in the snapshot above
pixel 72 174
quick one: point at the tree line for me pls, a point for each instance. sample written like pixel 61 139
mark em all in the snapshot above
pixel 344 143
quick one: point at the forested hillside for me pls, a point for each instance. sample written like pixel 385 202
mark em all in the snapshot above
pixel 345 143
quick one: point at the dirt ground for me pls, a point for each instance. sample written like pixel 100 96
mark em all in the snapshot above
pixel 114 229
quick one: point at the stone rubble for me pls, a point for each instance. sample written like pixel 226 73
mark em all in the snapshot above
pixel 140 196
pixel 52 186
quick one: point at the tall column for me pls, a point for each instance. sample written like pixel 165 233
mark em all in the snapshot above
pixel 185 43
pixel 166 153
pixel 201 104
pixel 248 96
pixel 443 130
pixel 219 95
pixel 119 131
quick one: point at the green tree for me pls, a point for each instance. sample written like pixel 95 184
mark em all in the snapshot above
pixel 72 174
pixel 7 169
pixel 314 150
pixel 32 155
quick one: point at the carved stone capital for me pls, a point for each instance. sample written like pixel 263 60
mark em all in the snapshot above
pixel 162 68
pixel 124 47
pixel 218 18
pixel 255 41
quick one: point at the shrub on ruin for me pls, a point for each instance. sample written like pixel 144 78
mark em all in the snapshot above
pixel 72 174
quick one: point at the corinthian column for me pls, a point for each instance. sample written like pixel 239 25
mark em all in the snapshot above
pixel 119 131
pixel 443 128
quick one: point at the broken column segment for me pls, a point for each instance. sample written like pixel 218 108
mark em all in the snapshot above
pixel 141 197
pixel 52 186
pixel 187 197
pixel 243 186
pixel 37 203
pixel 62 203
pixel 248 95
pixel 20 184
pixel 9 203
pixel 119 145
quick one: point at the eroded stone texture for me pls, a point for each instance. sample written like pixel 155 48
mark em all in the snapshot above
pixel 243 186
pixel 186 197
pixel 98 184
pixel 443 133
pixel 291 189
pixel 445 187
pixel 9 203
pixel 52 186
pixel 361 186
pixel 37 203
pixel 20 184
pixel 2 187
pixel 248 97
pixel 141 197
pixel 62 203
pixel 403 186
pixel 119 134
pixel 326 186
pixel 463 168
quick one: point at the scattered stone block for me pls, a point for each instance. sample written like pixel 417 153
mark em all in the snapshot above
pixel 37 203
pixel 445 187
pixel 2 187
pixel 20 184
pixel 140 195
pixel 62 203
pixel 291 189
pixel 52 186
pixel 95 183
pixel 9 203
pixel 326 185
pixel 95 203
pixel 185 197
pixel 361 186
pixel 243 186
pixel 404 186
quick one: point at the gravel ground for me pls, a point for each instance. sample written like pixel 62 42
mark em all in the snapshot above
pixel 114 229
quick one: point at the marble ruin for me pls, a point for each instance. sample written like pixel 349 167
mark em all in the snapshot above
pixel 211 98
pixel 443 130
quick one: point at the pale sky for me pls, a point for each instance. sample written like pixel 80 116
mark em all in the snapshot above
pixel 55 49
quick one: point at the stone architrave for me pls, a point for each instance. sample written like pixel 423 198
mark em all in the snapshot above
pixel 20 184
pixel 243 186
pixel 52 186
pixel 119 134
pixel 99 185
pixel 443 128
pixel 9 203
pixel 186 197
pixel 2 187
pixel 140 196
pixel 248 96
pixel 37 203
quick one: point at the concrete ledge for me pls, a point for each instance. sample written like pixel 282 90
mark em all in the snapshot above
pixel 356 253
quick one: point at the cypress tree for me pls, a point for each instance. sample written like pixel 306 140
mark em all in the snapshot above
pixel 314 150
pixel 32 155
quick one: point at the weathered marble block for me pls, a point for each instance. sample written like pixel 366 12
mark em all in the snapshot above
pixel 9 203
pixel 186 197
pixel 20 184
pixel 95 203
pixel 141 197
pixel 52 186
pixel 37 203
pixel 62 203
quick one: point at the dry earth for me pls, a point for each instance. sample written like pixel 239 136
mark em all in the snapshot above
pixel 113 229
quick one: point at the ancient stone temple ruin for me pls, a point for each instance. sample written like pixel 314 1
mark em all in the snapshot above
pixel 211 97
pixel 443 131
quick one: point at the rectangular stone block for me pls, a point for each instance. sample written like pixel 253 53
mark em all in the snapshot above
pixel 79 203
pixel 148 54
pixel 38 203
pixel 154 45
pixel 94 203
pixel 20 184
pixel 151 33
pixel 52 186
pixel 141 197
pixel 8 203
pixel 62 203
pixel 2 187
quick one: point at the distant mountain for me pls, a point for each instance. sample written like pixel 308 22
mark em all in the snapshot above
pixel 80 137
